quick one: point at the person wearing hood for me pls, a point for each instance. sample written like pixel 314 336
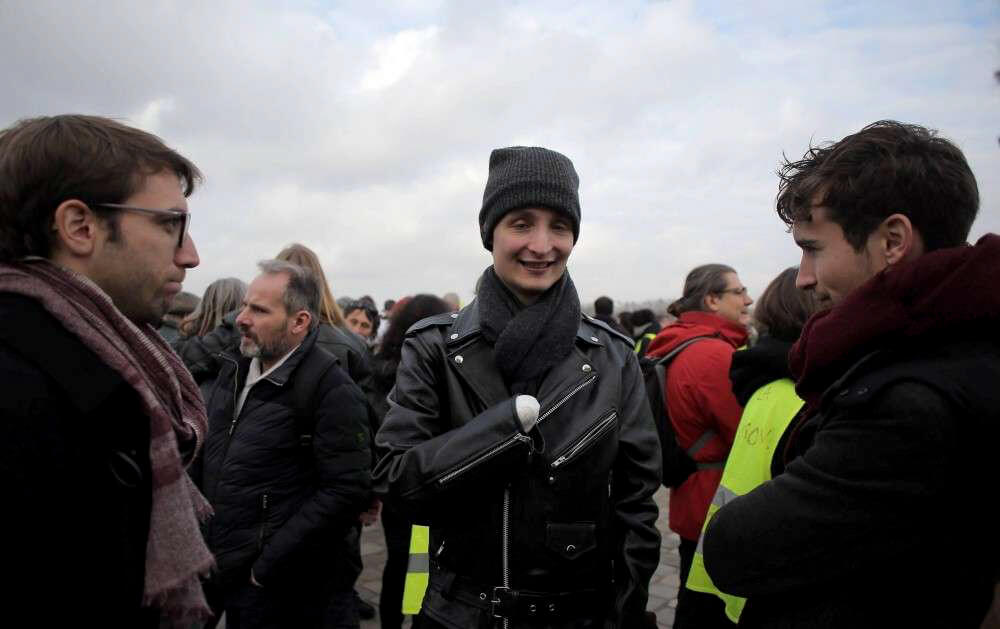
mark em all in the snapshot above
pixel 763 386
pixel 518 430
pixel 879 516
pixel 714 308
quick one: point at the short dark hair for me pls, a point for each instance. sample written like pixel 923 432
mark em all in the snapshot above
pixel 302 291
pixel 886 168
pixel 702 281
pixel 367 306
pixel 45 161
pixel 604 306
pixel 783 309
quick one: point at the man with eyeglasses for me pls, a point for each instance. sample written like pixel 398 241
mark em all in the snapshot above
pixel 100 418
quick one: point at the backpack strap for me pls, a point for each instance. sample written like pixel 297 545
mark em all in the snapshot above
pixel 305 394
pixel 661 378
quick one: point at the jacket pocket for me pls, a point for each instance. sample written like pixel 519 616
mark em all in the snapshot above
pixel 572 539
pixel 589 438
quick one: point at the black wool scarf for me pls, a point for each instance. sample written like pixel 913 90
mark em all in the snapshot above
pixel 528 340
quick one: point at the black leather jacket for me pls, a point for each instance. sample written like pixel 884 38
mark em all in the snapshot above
pixel 566 508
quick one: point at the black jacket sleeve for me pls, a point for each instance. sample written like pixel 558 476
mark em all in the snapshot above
pixel 423 458
pixel 853 503
pixel 637 472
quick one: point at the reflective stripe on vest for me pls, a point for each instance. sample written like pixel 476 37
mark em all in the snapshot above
pixel 638 344
pixel 417 569
pixel 764 421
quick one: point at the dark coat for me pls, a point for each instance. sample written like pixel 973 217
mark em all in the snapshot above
pixel 288 476
pixel 74 459
pixel 575 497
pixel 203 354
pixel 890 484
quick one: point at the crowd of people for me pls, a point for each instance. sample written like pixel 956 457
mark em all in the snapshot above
pixel 173 460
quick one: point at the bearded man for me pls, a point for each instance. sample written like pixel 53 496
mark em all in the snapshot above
pixel 287 461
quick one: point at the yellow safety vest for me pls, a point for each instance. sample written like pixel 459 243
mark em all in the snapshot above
pixel 417 569
pixel 764 420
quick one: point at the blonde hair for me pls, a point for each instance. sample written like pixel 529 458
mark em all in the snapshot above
pixel 303 256
pixel 220 298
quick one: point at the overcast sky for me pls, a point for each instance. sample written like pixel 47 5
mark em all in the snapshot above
pixel 363 129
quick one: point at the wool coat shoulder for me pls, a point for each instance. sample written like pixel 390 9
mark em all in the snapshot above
pixel 74 459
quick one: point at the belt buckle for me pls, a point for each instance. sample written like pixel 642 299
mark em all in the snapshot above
pixel 496 602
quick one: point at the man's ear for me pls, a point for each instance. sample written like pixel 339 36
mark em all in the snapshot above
pixel 899 240
pixel 76 228
pixel 301 321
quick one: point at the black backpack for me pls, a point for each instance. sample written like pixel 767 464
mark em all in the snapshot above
pixel 678 463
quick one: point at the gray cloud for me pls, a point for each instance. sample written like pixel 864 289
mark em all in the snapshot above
pixel 364 132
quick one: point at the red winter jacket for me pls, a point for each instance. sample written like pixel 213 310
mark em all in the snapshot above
pixel 700 398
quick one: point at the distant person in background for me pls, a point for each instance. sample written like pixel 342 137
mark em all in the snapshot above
pixel 703 411
pixel 394 524
pixel 604 309
pixel 644 329
pixel 762 383
pixel 625 321
pixel 362 318
pixel 184 303
pixel 221 297
pixel 453 301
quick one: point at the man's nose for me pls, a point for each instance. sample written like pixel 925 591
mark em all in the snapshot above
pixel 241 319
pixel 186 256
pixel 541 241
pixel 805 277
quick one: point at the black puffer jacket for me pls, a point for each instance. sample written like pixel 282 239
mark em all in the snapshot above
pixel 567 509
pixel 287 488
pixel 202 354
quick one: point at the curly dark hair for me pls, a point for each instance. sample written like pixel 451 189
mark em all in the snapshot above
pixel 419 307
pixel 886 168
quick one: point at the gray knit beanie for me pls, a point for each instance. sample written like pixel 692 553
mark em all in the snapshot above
pixel 528 176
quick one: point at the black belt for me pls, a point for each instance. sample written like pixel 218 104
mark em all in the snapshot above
pixel 503 602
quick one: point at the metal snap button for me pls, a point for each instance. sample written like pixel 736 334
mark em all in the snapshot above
pixel 454 315
pixel 454 336
pixel 482 596
pixel 571 548
pixel 552 608
pixel 552 480
pixel 587 368
pixel 532 609
pixel 459 359
pixel 594 339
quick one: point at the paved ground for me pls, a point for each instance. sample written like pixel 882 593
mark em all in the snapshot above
pixel 662 590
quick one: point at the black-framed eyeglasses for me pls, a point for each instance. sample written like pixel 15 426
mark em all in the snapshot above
pixel 739 292
pixel 184 218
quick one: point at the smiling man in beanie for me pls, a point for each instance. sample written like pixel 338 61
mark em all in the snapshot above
pixel 519 431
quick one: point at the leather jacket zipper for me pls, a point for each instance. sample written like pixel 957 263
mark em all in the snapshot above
pixel 566 397
pixel 505 543
pixel 589 438
pixel 514 439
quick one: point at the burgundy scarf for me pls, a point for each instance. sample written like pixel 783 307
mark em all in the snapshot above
pixel 175 552
pixel 949 291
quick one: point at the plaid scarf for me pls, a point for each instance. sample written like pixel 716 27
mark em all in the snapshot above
pixel 175 552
